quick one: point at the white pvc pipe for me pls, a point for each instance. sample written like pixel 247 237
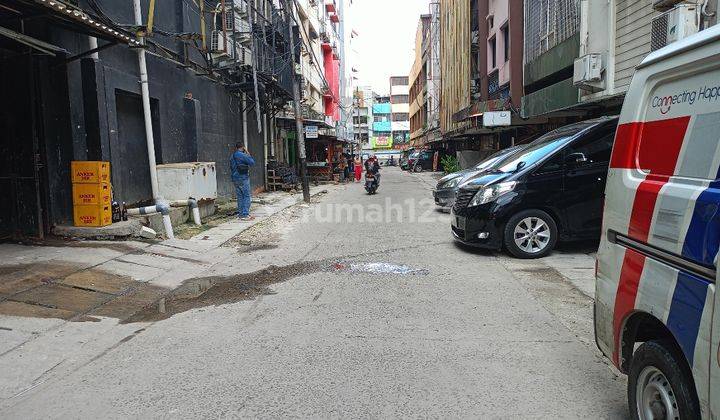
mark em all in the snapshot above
pixel 265 150
pixel 168 227
pixel 196 216
pixel 194 208
pixel 146 105
pixel 161 208
pixel 245 123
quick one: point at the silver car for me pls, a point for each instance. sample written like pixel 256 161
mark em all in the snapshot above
pixel 447 186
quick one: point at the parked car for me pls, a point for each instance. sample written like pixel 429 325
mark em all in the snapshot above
pixel 656 306
pixel 420 160
pixel 550 190
pixel 447 186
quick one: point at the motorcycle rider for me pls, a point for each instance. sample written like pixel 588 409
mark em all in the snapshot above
pixel 373 167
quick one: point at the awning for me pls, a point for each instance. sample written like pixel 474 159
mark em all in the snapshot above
pixel 82 20
pixel 31 42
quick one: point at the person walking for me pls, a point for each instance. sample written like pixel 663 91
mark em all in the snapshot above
pixel 240 164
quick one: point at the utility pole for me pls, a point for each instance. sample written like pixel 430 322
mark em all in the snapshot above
pixel 298 108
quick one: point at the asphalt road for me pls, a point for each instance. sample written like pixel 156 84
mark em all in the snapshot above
pixel 355 307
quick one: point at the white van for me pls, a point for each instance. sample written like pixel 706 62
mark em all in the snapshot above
pixel 657 314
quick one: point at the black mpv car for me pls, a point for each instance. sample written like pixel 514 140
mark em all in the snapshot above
pixel 551 190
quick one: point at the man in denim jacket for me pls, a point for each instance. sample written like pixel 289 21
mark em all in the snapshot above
pixel 240 164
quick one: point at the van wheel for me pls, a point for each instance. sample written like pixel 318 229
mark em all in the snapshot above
pixel 417 168
pixel 659 386
pixel 530 234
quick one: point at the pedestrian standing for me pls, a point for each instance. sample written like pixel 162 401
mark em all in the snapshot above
pixel 240 164
pixel 343 168
pixel 346 166
pixel 358 169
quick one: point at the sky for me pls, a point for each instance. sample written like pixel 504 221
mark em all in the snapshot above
pixel 385 45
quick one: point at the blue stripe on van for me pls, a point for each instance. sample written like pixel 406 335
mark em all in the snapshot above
pixel 702 240
pixel 686 311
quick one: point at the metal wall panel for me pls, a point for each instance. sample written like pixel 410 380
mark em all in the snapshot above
pixel 633 20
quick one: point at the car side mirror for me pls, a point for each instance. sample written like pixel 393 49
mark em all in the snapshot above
pixel 576 159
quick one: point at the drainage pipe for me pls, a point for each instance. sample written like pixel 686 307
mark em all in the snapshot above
pixel 194 208
pixel 161 208
pixel 146 104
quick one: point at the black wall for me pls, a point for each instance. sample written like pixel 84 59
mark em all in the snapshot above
pixel 203 129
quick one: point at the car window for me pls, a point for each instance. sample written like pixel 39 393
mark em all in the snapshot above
pixel 596 150
pixel 554 164
pixel 541 147
pixel 487 163
pixel 533 153
pixel 495 158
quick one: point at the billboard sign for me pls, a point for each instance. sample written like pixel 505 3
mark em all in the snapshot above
pixel 382 142
pixel 311 132
pixel 497 118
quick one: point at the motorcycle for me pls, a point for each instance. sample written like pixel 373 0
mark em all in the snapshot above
pixel 371 183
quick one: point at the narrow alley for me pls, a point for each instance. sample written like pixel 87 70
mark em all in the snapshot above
pixel 319 317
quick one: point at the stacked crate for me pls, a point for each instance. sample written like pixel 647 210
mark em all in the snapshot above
pixel 92 194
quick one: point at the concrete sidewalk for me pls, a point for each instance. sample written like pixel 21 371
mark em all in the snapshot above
pixel 62 303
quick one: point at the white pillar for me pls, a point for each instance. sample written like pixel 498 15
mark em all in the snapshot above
pixel 92 43
pixel 146 106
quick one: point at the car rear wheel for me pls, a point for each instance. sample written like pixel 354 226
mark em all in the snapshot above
pixel 659 386
pixel 530 234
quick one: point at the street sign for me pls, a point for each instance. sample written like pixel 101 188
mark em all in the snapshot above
pixel 311 132
pixel 496 118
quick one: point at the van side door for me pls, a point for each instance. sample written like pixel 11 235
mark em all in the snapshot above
pixel 585 173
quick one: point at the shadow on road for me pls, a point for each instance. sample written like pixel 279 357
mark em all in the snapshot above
pixel 473 250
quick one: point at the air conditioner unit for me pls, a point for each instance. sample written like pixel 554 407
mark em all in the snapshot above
pixel 588 71
pixel 219 44
pixel 242 26
pixel 241 6
pixel 245 56
pixel 674 25
pixel 235 22
pixel 228 23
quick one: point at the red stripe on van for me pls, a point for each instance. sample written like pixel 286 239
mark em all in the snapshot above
pixel 645 198
pixel 627 139
pixel 632 268
pixel 660 145
pixel 653 147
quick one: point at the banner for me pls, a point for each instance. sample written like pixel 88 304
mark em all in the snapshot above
pixel 382 142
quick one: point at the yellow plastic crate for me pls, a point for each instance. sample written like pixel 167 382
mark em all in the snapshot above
pixel 90 172
pixel 95 194
pixel 92 216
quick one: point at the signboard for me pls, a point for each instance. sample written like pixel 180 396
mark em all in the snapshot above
pixel 497 118
pixel 382 142
pixel 311 131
